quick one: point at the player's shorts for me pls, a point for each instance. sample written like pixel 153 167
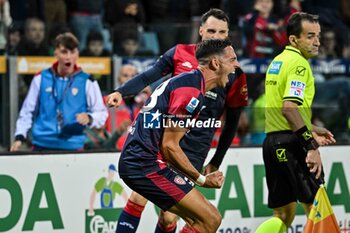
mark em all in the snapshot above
pixel 164 188
pixel 287 175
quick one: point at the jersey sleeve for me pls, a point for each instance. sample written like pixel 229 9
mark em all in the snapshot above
pixel 163 66
pixel 296 83
pixel 237 92
pixel 184 102
pixel 30 105
pixel 96 108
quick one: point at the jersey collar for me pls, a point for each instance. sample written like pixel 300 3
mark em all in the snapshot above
pixel 293 49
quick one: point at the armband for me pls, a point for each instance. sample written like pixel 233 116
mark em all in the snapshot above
pixel 201 180
pixel 306 139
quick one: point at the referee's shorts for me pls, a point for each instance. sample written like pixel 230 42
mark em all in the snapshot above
pixel 287 175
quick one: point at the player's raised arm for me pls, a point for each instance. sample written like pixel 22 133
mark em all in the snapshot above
pixel 163 66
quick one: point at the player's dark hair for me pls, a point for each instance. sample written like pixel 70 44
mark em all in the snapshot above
pixel 216 13
pixel 67 40
pixel 94 36
pixel 294 26
pixel 208 48
pixel 15 27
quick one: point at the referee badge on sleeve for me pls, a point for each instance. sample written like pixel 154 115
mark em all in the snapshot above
pixel 275 67
pixel 300 71
pixel 297 88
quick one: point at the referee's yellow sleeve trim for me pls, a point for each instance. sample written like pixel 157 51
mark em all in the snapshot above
pixel 297 100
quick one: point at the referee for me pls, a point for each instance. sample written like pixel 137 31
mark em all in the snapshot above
pixel 291 156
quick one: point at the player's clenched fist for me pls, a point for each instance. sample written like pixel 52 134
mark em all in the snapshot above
pixel 214 180
pixel 114 99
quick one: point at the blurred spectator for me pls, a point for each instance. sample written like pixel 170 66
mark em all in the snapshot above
pixel 14 35
pixel 329 47
pixel 5 17
pixel 283 9
pixel 113 134
pixel 171 10
pixel 2 39
pixel 129 46
pixel 55 30
pixel 127 71
pixel 237 9
pixel 329 15
pixel 126 41
pixel 124 11
pixel 5 21
pixel 124 17
pixel 33 42
pixel 171 20
pixel 122 117
pixel 55 13
pixel 265 35
pixel 61 102
pixel 95 48
pixel 85 15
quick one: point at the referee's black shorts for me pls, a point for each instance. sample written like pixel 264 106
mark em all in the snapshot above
pixel 287 175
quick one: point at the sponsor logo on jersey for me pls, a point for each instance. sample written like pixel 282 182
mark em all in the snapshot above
pixel 191 106
pixel 297 88
pixel 187 64
pixel 160 161
pixel 300 71
pixel 275 67
pixel 211 95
